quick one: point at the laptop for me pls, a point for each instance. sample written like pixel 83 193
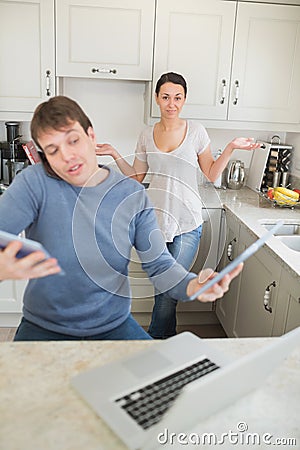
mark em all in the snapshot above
pixel 175 384
pixel 163 386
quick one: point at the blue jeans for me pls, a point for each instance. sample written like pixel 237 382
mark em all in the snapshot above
pixel 183 249
pixel 128 330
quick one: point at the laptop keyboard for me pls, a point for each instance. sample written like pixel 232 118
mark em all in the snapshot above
pixel 148 404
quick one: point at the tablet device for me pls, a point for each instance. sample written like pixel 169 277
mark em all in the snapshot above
pixel 241 258
pixel 28 246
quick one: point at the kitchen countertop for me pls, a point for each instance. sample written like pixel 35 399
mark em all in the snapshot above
pixel 40 410
pixel 250 208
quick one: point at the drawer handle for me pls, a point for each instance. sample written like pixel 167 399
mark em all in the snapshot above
pixel 267 297
pixel 223 92
pixel 230 249
pixel 95 70
pixel 48 92
pixel 237 92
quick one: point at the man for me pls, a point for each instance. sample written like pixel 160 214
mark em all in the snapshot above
pixel 88 218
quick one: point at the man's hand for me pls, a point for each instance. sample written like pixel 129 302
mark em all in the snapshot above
pixel 217 290
pixel 31 266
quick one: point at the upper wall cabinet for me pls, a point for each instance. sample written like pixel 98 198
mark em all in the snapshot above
pixel 266 64
pixel 195 38
pixel 26 56
pixel 105 38
pixel 241 60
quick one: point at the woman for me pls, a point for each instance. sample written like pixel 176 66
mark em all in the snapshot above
pixel 171 152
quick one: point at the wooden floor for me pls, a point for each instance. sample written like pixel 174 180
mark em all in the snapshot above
pixel 204 331
pixel 7 334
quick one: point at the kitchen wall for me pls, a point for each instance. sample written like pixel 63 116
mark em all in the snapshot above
pixel 116 109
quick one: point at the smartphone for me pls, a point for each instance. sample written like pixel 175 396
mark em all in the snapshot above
pixel 241 258
pixel 28 246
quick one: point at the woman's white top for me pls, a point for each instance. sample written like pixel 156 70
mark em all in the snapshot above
pixel 173 187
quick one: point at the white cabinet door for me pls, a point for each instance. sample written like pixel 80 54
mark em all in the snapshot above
pixel 26 55
pixel 266 64
pixel 227 305
pixel 105 38
pixel 288 306
pixel 241 63
pixel 11 302
pixel 259 284
pixel 194 38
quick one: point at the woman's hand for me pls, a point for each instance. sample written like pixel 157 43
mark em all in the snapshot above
pixel 31 266
pixel 217 290
pixel 107 150
pixel 244 144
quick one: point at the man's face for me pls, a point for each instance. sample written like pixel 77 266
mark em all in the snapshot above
pixel 71 153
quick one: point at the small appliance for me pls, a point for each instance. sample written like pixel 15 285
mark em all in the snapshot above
pixel 13 157
pixel 236 174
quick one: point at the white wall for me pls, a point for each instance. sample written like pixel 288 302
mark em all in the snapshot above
pixel 116 109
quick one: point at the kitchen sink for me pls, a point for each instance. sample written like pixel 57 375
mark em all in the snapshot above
pixel 293 242
pixel 287 229
pixel 288 233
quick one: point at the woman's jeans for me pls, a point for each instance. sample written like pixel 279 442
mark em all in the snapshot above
pixel 128 330
pixel 183 249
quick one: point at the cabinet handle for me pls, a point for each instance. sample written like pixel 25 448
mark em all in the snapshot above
pixel 230 249
pixel 267 297
pixel 223 92
pixel 237 92
pixel 94 70
pixel 48 73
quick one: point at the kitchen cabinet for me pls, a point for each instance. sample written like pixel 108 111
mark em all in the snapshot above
pixel 227 305
pixel 241 60
pixel 105 38
pixel 288 308
pixel 11 302
pixel 208 256
pixel 27 59
pixel 258 291
pixel 195 38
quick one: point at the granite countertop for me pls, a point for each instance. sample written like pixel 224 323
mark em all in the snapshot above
pixel 250 208
pixel 40 410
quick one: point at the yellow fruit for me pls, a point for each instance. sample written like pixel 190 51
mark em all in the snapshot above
pixel 287 192
pixel 282 199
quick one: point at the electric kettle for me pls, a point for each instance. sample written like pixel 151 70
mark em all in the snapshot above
pixel 236 174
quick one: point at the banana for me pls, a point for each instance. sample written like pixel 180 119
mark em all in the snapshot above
pixel 287 192
pixel 284 199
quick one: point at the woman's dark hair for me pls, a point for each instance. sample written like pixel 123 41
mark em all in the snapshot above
pixel 171 77
pixel 55 114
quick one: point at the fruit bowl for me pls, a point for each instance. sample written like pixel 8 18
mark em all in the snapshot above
pixel 280 204
pixel 282 197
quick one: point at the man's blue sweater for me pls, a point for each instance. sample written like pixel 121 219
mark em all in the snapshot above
pixel 91 232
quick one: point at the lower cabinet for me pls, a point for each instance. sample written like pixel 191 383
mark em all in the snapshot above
pixel 264 300
pixel 227 305
pixel 208 256
pixel 288 307
pixel 258 292
pixel 11 302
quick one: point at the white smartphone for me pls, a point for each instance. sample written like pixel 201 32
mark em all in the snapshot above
pixel 241 258
pixel 28 245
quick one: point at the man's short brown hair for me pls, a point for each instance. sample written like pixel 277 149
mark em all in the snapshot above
pixel 55 114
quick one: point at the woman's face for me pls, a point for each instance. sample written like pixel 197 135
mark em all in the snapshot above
pixel 170 99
